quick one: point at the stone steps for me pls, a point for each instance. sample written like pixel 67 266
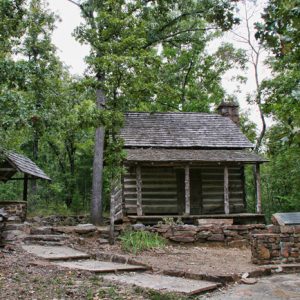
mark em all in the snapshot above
pixel 44 243
pixel 46 239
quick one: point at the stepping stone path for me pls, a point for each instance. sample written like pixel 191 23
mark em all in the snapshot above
pixel 164 283
pixel 49 246
pixel 55 252
pixel 99 266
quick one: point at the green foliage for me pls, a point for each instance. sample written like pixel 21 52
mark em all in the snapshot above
pixel 279 33
pixel 280 29
pixel 170 221
pixel 139 241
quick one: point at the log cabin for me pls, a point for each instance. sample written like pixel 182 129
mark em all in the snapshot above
pixel 188 165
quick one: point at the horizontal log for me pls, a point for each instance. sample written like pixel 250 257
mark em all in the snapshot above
pixel 153 202
pixel 157 169
pixel 150 193
pixel 207 181
pixel 219 177
pixel 154 210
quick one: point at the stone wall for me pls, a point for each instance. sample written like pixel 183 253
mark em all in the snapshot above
pixel 16 210
pixel 3 217
pixel 231 235
pixel 281 244
pixel 58 220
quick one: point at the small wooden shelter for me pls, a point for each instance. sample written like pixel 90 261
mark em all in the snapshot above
pixel 12 163
pixel 185 164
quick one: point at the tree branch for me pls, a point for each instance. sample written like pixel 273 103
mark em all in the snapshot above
pixel 75 3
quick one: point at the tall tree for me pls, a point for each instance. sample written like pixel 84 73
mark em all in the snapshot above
pixel 44 69
pixel 124 37
pixel 244 34
pixel 12 72
pixel 279 33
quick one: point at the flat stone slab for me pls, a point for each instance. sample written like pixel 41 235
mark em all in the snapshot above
pixel 99 266
pixel 292 218
pixel 55 252
pixel 164 283
pixel 46 237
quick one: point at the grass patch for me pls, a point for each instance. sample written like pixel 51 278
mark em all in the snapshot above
pixel 138 241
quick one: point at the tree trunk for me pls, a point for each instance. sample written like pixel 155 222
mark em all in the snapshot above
pixel 96 205
pixel 35 154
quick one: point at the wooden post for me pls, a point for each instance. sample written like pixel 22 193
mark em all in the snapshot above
pixel 187 190
pixel 226 191
pixel 258 189
pixel 25 187
pixel 139 207
pixel 112 217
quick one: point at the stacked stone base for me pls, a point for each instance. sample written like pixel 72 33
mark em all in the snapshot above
pixel 59 220
pixel 230 235
pixel 3 217
pixel 281 244
pixel 16 210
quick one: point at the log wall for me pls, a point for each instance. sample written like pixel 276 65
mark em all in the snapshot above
pixel 213 190
pixel 159 191
pixel 162 190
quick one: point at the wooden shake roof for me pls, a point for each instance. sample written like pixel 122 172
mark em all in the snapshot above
pixel 19 163
pixel 191 155
pixel 182 130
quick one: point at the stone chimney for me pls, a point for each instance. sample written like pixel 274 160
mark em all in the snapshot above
pixel 231 110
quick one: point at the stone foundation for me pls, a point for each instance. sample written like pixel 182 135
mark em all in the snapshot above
pixel 230 235
pixel 281 244
pixel 16 211
pixel 57 220
pixel 3 217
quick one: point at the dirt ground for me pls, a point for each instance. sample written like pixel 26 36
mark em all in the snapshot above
pixel 23 276
pixel 201 259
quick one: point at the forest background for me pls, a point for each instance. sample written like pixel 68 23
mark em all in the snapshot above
pixel 144 56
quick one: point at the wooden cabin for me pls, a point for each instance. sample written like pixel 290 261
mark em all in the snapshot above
pixel 185 164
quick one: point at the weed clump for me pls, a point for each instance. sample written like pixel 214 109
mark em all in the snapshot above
pixel 139 241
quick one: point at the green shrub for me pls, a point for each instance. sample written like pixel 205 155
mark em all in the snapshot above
pixel 138 241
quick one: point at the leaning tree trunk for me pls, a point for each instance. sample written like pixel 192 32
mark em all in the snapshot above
pixel 96 205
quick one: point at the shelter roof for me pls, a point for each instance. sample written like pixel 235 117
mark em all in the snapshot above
pixel 191 155
pixel 14 162
pixel 182 130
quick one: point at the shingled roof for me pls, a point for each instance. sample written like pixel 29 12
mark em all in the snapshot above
pixel 182 130
pixel 20 163
pixel 191 155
